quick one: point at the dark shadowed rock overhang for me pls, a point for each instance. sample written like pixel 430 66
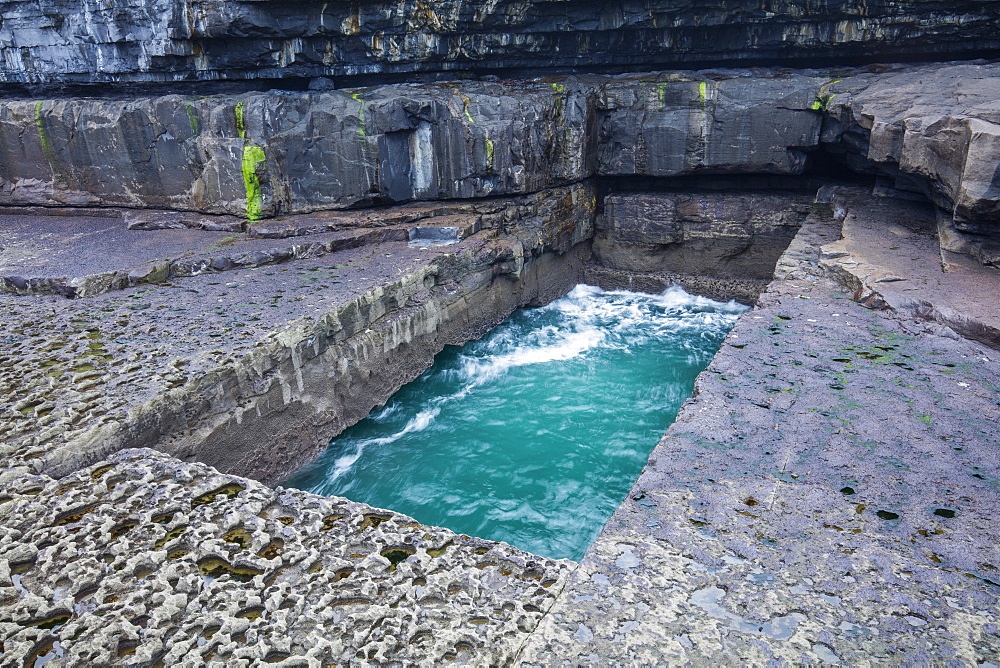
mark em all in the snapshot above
pixel 126 42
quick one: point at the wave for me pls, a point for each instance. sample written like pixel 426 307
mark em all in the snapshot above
pixel 587 319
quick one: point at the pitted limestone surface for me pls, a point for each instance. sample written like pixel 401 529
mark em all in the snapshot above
pixel 828 495
pixel 79 369
pixel 146 560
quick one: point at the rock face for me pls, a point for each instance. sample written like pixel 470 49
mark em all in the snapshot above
pixel 262 154
pixel 935 131
pixel 931 130
pixel 73 41
pixel 722 245
pixel 716 122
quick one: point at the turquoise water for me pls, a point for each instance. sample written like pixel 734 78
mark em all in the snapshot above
pixel 535 433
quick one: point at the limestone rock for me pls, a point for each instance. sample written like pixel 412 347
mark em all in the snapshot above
pixel 262 154
pixel 938 129
pixel 708 122
pixel 719 235
pixel 145 559
pixel 144 41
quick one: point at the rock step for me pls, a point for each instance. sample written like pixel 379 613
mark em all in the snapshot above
pixel 889 256
pixel 84 257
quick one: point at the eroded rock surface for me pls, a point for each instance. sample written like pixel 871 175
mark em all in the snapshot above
pixel 150 561
pixel 827 496
pixel 929 130
pixel 721 235
pixel 136 41
pixel 935 131
pixel 254 369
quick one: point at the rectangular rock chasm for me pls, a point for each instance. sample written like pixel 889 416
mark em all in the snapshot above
pixel 722 245
pixel 719 243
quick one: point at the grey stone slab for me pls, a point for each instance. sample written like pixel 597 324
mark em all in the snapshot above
pixel 890 256
pixel 83 257
pixel 827 496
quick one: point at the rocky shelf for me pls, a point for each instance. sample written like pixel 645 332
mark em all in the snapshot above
pixel 784 516
pixel 252 272
pixel 931 130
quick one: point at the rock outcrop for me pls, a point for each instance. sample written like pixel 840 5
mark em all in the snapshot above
pixel 142 41
pixel 936 131
pixel 273 215
pixel 931 130
pixel 149 561
pixel 709 234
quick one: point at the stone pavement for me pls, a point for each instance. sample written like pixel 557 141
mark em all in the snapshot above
pixel 149 561
pixel 829 495
pixel 84 256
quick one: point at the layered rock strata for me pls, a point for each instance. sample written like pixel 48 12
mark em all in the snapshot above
pixel 721 245
pixel 254 369
pixel 141 41
pixel 248 348
pixel 782 455
pixel 928 130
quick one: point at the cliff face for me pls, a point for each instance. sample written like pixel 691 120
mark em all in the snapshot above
pixel 930 129
pixel 134 41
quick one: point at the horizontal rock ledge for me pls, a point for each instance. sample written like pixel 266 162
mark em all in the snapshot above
pixel 929 131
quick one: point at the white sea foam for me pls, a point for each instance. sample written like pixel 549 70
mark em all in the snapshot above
pixel 586 319
pixel 344 463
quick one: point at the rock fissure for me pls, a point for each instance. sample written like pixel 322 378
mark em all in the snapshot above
pixel 252 270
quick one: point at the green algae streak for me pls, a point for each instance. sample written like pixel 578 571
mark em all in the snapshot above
pixel 361 114
pixel 192 118
pixel 50 154
pixel 253 159
pixel 489 152
pixel 241 126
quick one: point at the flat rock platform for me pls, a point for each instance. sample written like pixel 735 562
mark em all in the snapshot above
pixel 829 495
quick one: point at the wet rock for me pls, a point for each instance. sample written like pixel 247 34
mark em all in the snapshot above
pixel 710 235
